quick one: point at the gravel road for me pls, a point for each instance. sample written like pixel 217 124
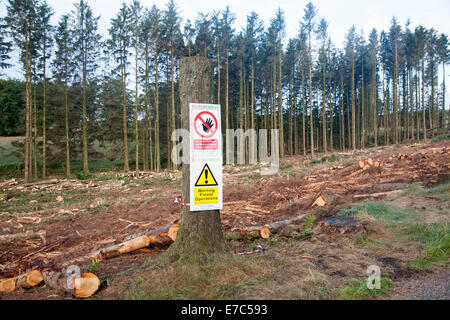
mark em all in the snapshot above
pixel 433 286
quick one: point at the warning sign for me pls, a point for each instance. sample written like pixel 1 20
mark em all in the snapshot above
pixel 206 196
pixel 206 178
pixel 205 157
pixel 205 124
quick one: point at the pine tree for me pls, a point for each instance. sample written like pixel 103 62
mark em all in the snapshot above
pixel 45 30
pixel 62 70
pixel 87 45
pixel 119 45
pixel 350 52
pixel 136 16
pixel 21 17
pixel 323 37
pixel 5 45
pixel 309 25
pixel 172 36
pixel 444 58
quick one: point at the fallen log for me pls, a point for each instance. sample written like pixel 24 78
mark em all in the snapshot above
pixel 26 281
pixel 242 235
pixel 276 226
pixel 8 183
pixel 32 279
pixel 83 287
pixel 161 236
pixel 23 235
pixel 377 194
pixel 261 231
pixel 40 183
pixel 86 285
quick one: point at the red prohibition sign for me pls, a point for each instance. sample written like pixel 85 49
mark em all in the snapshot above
pixel 211 130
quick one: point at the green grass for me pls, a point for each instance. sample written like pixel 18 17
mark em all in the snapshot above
pixel 435 240
pixel 441 191
pixel 357 289
pixel 94 267
pixel 442 137
pixel 378 210
pixel 210 280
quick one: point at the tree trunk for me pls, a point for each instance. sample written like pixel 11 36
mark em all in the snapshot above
pixel 66 105
pixel 157 147
pixel 172 99
pixel 44 116
pixel 324 119
pixel 423 102
pixel 126 167
pixel 27 162
pixel 353 106
pixel 280 105
pixel 85 150
pixel 303 113
pixel 200 233
pixel 136 104
pixel 311 123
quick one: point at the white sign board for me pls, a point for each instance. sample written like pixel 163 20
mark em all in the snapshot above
pixel 205 157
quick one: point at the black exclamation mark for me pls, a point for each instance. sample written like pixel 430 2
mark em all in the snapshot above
pixel 206 176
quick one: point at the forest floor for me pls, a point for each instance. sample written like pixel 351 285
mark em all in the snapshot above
pixel 404 209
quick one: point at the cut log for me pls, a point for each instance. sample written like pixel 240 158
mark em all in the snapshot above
pixel 125 247
pixel 160 236
pixel 32 279
pixel 370 161
pixel 157 236
pixel 361 164
pixel 376 195
pixel 8 285
pixel 172 233
pixel 86 285
pixel 82 287
pixel 264 232
pixel 8 183
pixel 276 226
pixel 23 235
pixel 241 235
pixel 150 232
pixel 320 201
pixel 376 164
pixel 40 183
pixel 26 281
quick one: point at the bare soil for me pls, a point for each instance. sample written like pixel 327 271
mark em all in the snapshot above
pixel 109 206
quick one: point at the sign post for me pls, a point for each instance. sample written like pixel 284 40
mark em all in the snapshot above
pixel 205 157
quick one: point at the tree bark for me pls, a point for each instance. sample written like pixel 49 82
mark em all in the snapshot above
pixel 200 233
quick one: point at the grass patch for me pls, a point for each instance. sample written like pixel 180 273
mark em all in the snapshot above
pixel 218 279
pixel 94 267
pixel 436 241
pixel 442 137
pixel 378 210
pixel 441 191
pixel 357 289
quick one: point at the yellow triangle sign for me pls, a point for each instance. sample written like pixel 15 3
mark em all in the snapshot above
pixel 206 178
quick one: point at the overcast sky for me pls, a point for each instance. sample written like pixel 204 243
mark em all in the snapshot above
pixel 340 14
